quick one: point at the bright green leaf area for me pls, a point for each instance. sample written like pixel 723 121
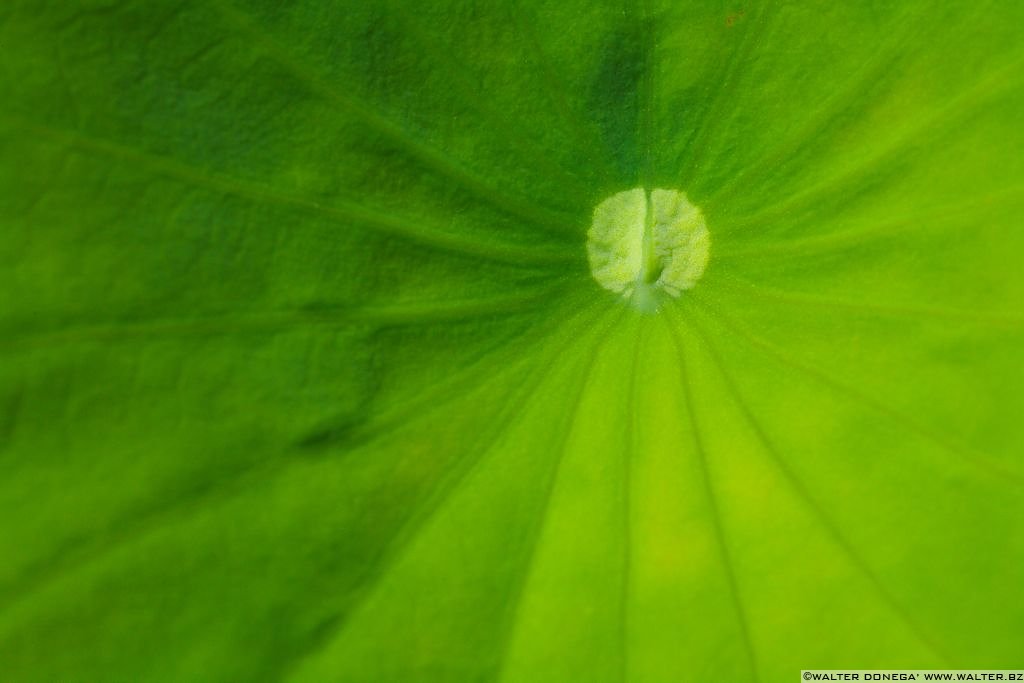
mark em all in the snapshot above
pixel 304 375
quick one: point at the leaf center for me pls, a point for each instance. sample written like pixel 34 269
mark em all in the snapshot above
pixel 646 246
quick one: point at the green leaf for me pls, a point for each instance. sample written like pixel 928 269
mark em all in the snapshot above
pixel 304 375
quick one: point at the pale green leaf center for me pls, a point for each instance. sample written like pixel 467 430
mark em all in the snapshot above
pixel 644 246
